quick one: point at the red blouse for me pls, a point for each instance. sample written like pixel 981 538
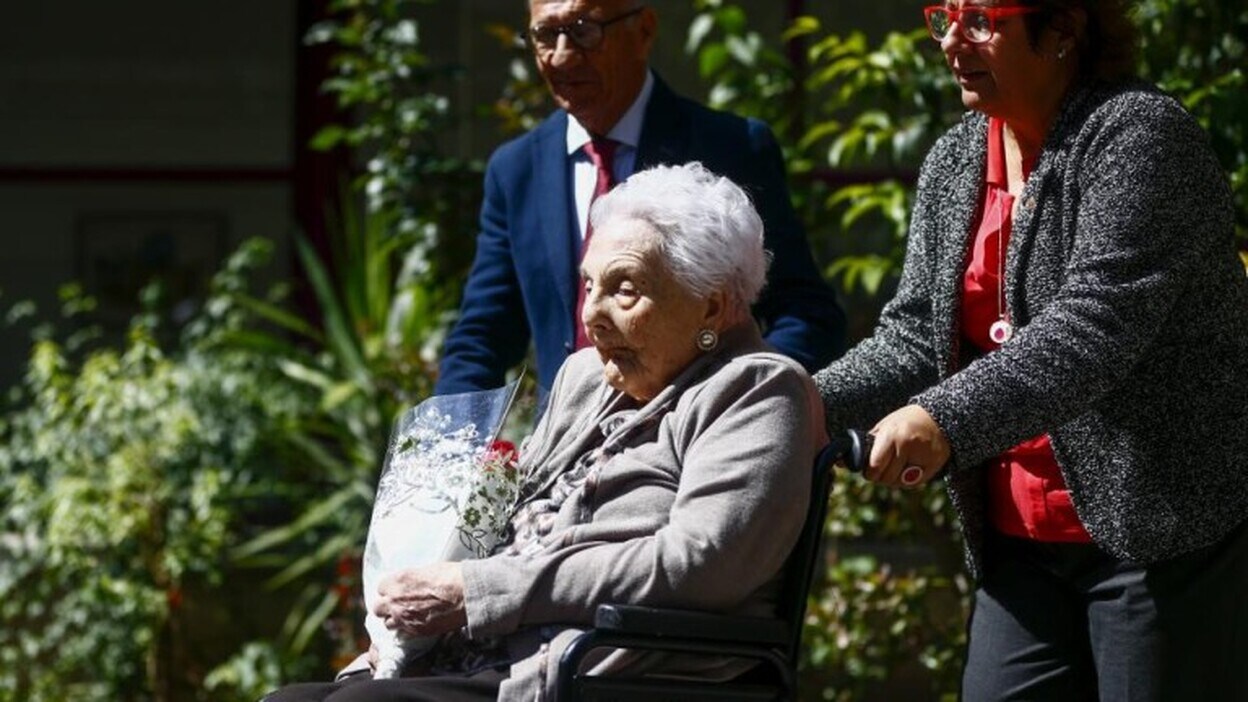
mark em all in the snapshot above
pixel 1027 496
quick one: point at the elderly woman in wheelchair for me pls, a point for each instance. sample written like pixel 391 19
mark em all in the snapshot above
pixel 672 468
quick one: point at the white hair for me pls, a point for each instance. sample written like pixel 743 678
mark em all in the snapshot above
pixel 709 233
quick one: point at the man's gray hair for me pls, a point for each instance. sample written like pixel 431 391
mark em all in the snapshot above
pixel 709 233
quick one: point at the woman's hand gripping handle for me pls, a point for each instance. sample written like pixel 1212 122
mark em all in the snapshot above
pixel 906 449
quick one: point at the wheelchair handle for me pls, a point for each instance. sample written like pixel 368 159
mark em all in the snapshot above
pixel 852 450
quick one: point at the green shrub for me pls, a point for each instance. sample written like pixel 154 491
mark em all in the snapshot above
pixel 386 286
pixel 124 476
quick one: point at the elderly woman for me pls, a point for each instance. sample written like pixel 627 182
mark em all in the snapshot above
pixel 640 486
pixel 1069 346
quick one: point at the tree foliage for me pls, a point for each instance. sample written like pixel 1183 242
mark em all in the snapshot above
pixel 1198 51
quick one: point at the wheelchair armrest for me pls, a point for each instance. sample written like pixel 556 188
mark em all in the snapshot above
pixel 678 631
pixel 690 624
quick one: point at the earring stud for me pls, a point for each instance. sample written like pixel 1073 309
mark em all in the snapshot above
pixel 707 339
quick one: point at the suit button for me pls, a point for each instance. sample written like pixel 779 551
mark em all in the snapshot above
pixel 1030 202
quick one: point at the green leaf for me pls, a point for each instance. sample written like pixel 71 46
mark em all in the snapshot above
pixel 328 137
pixel 803 25
pixel 306 374
pixel 712 59
pixel 857 209
pixel 316 453
pixel 322 556
pixel 263 344
pixel 817 132
pixel 339 336
pixel 845 147
pixel 277 315
pixel 314 621
pixel 732 18
pixel 338 394
pixel 314 516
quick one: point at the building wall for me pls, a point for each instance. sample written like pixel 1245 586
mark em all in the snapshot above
pixel 165 131
pixel 147 133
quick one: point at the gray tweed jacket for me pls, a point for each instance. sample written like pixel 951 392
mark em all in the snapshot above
pixel 1131 309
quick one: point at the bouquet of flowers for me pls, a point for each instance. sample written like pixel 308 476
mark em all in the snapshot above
pixel 445 493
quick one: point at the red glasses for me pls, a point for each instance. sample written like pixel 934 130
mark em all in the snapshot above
pixel 976 23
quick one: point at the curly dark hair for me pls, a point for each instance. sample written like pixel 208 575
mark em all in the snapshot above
pixel 1108 47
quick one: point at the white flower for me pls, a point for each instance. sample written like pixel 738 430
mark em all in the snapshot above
pixel 404 32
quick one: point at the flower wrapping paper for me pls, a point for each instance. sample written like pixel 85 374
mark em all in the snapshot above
pixel 445 494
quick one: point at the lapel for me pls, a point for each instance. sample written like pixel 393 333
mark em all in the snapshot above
pixel 952 238
pixel 963 195
pixel 1025 230
pixel 552 197
pixel 665 130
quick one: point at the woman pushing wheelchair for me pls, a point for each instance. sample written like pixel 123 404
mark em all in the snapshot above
pixel 1068 347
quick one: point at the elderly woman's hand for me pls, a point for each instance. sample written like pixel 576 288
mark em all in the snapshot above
pixel 909 450
pixel 424 601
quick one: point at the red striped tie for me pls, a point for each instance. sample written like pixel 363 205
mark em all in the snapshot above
pixel 601 152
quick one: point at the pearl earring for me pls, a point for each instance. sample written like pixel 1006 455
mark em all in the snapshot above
pixel 1061 53
pixel 707 339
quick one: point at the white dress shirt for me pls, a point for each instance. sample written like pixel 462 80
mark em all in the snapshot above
pixel 627 131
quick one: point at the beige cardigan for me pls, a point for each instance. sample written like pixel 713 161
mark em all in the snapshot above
pixel 698 510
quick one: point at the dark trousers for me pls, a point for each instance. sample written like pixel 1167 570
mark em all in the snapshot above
pixel 1067 622
pixel 480 687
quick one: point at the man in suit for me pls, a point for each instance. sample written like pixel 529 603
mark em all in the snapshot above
pixel 593 56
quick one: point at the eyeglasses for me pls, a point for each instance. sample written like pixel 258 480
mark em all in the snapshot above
pixel 976 23
pixel 585 33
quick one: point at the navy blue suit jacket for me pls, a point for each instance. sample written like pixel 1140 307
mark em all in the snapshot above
pixel 525 275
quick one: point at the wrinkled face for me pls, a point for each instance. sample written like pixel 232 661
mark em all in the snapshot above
pixel 642 321
pixel 595 85
pixel 1004 77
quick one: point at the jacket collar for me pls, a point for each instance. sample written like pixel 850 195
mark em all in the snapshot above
pixel 551 194
pixel 627 131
